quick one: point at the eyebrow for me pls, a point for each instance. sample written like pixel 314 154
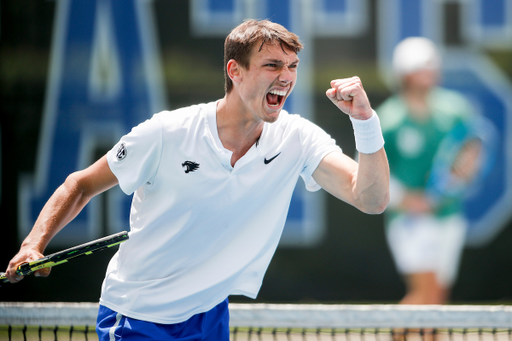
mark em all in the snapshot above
pixel 279 61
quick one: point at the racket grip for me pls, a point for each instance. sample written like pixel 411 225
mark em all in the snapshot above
pixel 24 269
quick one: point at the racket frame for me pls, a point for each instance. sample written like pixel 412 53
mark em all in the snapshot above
pixel 64 256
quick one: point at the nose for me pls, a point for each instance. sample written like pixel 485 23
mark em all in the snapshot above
pixel 286 76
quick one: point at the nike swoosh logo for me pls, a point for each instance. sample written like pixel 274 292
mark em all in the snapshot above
pixel 267 161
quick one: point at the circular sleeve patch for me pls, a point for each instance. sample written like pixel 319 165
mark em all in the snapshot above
pixel 121 152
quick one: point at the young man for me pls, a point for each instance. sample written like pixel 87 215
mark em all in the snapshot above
pixel 426 236
pixel 212 185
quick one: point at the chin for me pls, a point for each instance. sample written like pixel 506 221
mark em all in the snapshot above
pixel 272 117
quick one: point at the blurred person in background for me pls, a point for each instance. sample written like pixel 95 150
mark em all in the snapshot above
pixel 425 234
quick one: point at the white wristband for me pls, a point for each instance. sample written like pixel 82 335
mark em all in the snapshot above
pixel 368 134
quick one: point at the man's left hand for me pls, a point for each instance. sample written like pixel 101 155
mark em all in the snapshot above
pixel 349 96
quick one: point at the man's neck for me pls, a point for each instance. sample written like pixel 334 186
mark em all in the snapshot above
pixel 238 130
pixel 417 100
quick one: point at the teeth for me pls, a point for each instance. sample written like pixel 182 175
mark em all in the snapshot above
pixel 278 92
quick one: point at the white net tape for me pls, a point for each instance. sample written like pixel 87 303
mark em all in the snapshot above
pixel 289 315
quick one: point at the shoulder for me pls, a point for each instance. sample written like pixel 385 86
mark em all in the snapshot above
pixel 298 132
pixel 290 125
pixel 169 124
pixel 184 121
pixel 392 113
pixel 450 101
pixel 441 93
pixel 293 121
pixel 185 115
pixel 450 106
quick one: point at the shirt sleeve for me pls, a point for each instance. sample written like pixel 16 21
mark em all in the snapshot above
pixel 316 144
pixel 134 160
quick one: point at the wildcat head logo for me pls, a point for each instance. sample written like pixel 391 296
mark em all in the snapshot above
pixel 190 166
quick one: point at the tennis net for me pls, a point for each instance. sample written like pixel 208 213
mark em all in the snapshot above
pixel 76 321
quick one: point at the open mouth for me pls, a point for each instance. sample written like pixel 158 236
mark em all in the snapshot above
pixel 275 97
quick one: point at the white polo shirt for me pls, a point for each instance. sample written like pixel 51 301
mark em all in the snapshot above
pixel 202 230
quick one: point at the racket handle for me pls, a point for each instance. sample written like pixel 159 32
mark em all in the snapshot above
pixel 3 278
pixel 24 270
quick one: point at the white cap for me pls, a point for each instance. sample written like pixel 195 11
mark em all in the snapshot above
pixel 413 54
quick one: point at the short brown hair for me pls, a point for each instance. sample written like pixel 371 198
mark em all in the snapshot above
pixel 239 43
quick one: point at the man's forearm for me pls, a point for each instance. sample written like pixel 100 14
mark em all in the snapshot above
pixel 372 184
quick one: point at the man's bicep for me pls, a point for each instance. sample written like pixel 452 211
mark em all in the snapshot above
pixel 97 178
pixel 336 174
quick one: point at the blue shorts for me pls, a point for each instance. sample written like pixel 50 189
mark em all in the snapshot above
pixel 212 325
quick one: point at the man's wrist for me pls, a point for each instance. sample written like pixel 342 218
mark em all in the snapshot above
pixel 368 134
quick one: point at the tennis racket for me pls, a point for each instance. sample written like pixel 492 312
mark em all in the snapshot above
pixel 68 254
pixel 464 157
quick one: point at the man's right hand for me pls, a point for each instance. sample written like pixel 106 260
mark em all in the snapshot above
pixel 25 255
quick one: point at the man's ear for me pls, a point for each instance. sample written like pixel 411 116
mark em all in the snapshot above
pixel 233 69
